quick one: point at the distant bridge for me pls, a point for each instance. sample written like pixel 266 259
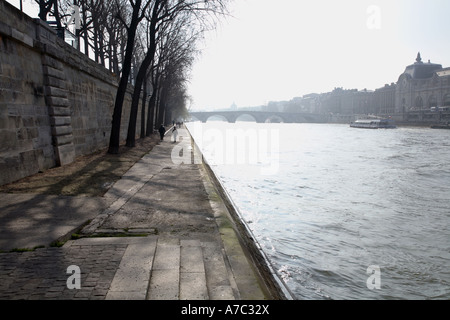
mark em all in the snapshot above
pixel 262 116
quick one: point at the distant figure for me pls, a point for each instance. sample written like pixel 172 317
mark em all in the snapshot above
pixel 174 134
pixel 162 132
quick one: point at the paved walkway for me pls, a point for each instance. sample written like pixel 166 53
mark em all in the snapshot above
pixel 160 233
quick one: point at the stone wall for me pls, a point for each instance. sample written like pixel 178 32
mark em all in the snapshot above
pixel 55 103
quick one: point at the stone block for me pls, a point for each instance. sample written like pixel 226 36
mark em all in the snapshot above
pixel 55 73
pixel 5 29
pixel 22 134
pixel 44 138
pixel 8 123
pixel 13 110
pixel 133 274
pixel 42 121
pixel 55 92
pixel 27 110
pixel 164 285
pixel 29 161
pixel 28 122
pixel 60 121
pixel 8 139
pixel 8 169
pixel 61 130
pixel 51 62
pixel 25 144
pixel 58 111
pixel 193 286
pixel 54 49
pixel 57 101
pixel 32 133
pixel 65 154
pixel 22 37
pixel 55 82
pixel 63 140
pixel 17 166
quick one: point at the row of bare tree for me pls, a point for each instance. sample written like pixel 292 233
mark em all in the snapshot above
pixel 149 43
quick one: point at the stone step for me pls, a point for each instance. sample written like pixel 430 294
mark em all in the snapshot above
pixel 189 270
pixel 165 276
pixel 192 271
pixel 160 268
pixel 178 271
pixel 220 282
pixel 132 277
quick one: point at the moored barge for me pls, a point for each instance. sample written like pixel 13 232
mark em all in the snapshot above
pixel 374 124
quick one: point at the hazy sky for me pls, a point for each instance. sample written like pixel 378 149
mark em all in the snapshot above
pixel 273 50
pixel 277 50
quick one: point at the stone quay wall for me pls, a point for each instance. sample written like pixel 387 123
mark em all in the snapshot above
pixel 56 104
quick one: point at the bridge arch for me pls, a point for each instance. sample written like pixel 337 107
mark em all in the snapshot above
pixel 217 117
pixel 246 117
pixel 194 119
pixel 274 119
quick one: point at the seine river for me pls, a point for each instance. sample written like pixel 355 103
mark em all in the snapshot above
pixel 341 213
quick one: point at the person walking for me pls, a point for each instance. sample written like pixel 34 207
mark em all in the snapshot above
pixel 174 134
pixel 162 132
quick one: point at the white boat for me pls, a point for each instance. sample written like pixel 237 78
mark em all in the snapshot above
pixel 374 124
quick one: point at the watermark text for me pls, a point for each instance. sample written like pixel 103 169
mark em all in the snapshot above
pixel 374 17
pixel 374 281
pixel 253 146
pixel 74 281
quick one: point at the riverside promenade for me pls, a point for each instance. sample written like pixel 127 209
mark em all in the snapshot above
pixel 162 232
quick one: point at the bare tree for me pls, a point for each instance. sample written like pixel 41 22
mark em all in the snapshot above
pixel 164 13
pixel 47 7
pixel 176 59
pixel 153 79
pixel 173 85
pixel 116 39
pixel 100 30
pixel 157 13
pixel 138 13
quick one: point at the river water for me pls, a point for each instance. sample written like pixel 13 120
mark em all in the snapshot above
pixel 341 213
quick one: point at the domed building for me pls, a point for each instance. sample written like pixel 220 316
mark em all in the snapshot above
pixel 420 96
pixel 423 87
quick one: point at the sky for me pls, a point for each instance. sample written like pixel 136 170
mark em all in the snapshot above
pixel 271 50
pixel 277 50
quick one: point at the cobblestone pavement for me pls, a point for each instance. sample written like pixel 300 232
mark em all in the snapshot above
pixel 42 274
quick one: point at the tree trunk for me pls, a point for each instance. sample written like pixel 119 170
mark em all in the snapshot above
pixel 114 141
pixel 157 108
pixel 144 101
pixel 141 76
pixel 85 34
pixel 161 108
pixel 151 111
pixel 142 73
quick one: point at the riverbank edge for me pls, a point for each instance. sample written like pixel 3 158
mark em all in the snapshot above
pixel 271 284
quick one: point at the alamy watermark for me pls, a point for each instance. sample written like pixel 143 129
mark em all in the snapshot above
pixel 253 146
pixel 374 280
pixel 374 17
pixel 74 280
